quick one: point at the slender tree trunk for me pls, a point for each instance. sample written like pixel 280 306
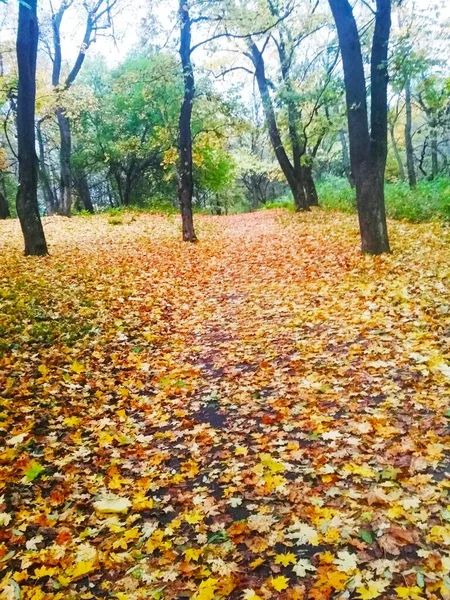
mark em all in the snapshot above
pixel 50 200
pixel 185 168
pixel 368 148
pixel 4 208
pixel 434 154
pixel 412 180
pixel 303 174
pixel 83 190
pixel 294 180
pixel 65 169
pixel 27 203
pixel 398 158
pixel 346 159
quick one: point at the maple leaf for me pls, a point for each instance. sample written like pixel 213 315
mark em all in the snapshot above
pixel 44 572
pixel 33 471
pixel 302 567
pixel 82 568
pixel 303 534
pixel 279 583
pixel 250 594
pixel 77 367
pixel 5 518
pixel 193 517
pixel 112 504
pixel 285 559
pixel 374 589
pixel 413 593
pixel 346 562
pixel 207 589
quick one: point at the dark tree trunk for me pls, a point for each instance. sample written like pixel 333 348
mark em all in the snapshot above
pixel 412 180
pixel 346 159
pixel 294 179
pixel 27 204
pixel 434 153
pixel 44 177
pixel 65 182
pixel 185 168
pixel 368 149
pixel 398 158
pixel 303 174
pixel 4 207
pixel 83 190
pixel 310 186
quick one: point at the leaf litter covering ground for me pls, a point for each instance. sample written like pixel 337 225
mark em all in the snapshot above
pixel 262 415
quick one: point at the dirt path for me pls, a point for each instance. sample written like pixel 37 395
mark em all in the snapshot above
pixel 267 408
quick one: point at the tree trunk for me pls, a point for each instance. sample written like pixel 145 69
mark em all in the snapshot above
pixel 185 165
pixel 434 154
pixel 302 173
pixel 4 208
pixel 65 199
pixel 83 190
pixel 346 159
pixel 412 180
pixel 310 186
pixel 368 149
pixel 294 179
pixel 398 158
pixel 50 200
pixel 27 203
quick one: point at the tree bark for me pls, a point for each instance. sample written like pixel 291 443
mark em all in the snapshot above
pixel 398 158
pixel 310 186
pixel 185 164
pixel 434 153
pixel 294 179
pixel 368 148
pixel 83 190
pixel 302 173
pixel 412 180
pixel 27 203
pixel 65 182
pixel 4 208
pixel 50 199
pixel 346 159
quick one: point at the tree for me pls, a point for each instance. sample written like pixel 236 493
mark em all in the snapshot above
pixel 368 146
pixel 185 171
pixel 97 17
pixel 27 204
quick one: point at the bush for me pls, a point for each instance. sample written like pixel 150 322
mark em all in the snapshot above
pixel 429 201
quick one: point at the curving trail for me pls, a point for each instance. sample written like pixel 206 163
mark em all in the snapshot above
pixel 264 414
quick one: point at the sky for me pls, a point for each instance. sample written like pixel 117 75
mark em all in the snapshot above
pixel 128 25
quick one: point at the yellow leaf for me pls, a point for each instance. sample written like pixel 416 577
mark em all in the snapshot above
pixel 132 534
pixel 77 367
pixel 255 563
pixel 241 451
pixel 44 572
pixel 82 568
pixel 71 421
pixel 250 595
pixel 207 589
pixel 373 590
pixel 279 583
pixel 273 465
pixel 43 370
pixel 192 554
pixel 285 559
pixel 193 517
pixel 413 593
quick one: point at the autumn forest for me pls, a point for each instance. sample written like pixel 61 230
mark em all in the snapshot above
pixel 224 300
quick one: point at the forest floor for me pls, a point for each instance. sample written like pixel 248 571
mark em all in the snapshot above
pixel 264 414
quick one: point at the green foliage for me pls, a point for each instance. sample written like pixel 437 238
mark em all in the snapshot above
pixel 429 201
